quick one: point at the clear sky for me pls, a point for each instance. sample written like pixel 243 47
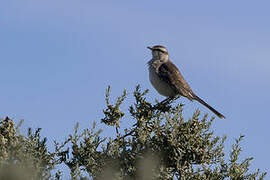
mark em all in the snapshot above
pixel 57 58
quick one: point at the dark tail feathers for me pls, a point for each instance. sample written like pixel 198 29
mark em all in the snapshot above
pixel 209 107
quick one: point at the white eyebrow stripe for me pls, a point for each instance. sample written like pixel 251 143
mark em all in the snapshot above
pixel 161 49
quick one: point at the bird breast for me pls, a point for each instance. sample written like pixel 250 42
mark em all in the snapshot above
pixel 161 86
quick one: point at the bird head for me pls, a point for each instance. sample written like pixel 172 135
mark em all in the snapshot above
pixel 159 53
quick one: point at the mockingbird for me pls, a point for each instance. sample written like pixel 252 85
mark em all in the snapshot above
pixel 167 79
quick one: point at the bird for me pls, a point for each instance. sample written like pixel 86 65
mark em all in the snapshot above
pixel 166 78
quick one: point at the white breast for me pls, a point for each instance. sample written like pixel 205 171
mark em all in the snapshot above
pixel 161 86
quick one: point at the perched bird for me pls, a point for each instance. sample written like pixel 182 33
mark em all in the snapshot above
pixel 167 79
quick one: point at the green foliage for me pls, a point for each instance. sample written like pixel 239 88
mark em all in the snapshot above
pixel 23 157
pixel 160 145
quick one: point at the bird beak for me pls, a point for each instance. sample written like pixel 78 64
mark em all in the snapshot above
pixel 149 47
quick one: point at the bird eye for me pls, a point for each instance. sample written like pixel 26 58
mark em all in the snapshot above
pixel 160 50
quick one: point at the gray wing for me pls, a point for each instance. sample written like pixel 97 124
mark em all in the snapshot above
pixel 169 73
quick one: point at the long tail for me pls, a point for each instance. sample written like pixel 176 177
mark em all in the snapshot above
pixel 209 107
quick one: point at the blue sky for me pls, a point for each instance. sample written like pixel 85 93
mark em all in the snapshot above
pixel 57 58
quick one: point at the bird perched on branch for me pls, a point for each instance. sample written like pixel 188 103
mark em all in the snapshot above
pixel 167 79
